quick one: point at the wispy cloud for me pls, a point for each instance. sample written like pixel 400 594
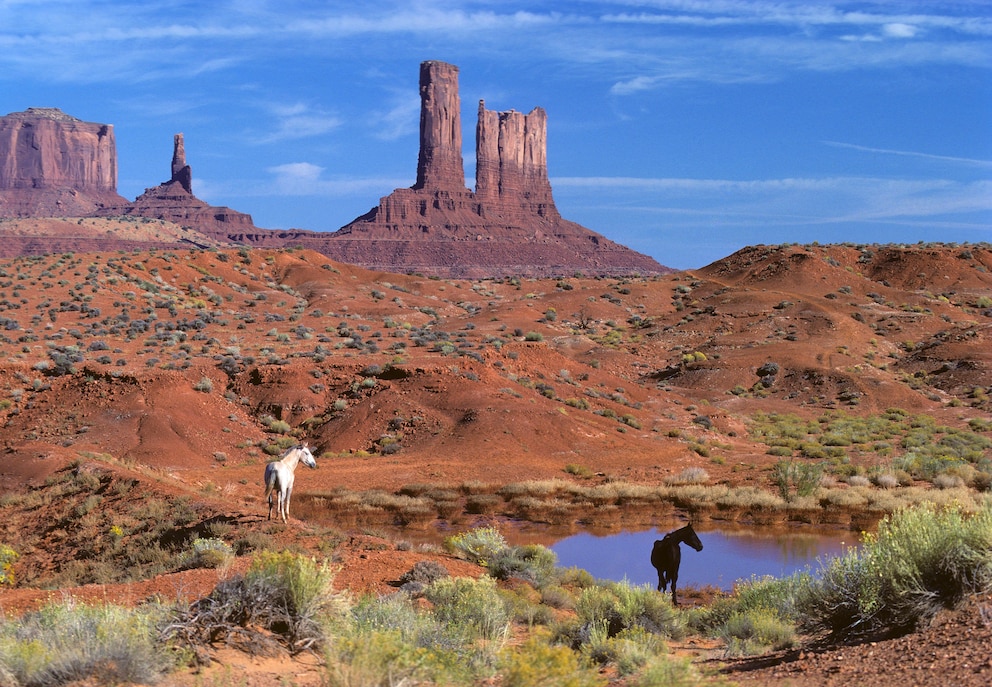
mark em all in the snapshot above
pixel 796 201
pixel 910 153
pixel 402 119
pixel 299 120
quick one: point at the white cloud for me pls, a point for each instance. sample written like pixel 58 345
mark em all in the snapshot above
pixel 910 153
pixel 402 119
pixel 786 201
pixel 300 121
pixel 899 30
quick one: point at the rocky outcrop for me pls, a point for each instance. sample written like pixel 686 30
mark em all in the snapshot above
pixel 181 172
pixel 508 226
pixel 52 164
pixel 174 201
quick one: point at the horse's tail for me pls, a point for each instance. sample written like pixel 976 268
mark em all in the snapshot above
pixel 271 477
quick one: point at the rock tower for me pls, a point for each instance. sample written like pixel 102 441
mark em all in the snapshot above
pixel 508 226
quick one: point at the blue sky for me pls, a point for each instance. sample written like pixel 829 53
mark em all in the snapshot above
pixel 685 129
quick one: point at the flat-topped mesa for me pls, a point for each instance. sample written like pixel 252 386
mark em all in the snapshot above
pixel 44 147
pixel 54 164
pixel 440 165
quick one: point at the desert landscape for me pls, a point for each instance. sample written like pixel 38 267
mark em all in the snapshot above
pixel 474 377
pixel 800 385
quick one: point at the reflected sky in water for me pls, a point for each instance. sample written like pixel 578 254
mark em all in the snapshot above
pixel 727 556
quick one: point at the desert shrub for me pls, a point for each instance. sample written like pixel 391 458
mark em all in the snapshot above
pixel 68 643
pixel 800 478
pixel 628 650
pixel 690 475
pixel 536 663
pixel 7 558
pixel 473 606
pixel 755 632
pixel 279 427
pixel 621 606
pixel 283 596
pixel 478 545
pixel 534 336
pixel 921 559
pixel 534 563
pixel 672 672
pixel 207 553
pixel 205 385
pixel 425 572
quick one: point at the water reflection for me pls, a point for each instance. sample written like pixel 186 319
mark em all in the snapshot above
pixel 727 556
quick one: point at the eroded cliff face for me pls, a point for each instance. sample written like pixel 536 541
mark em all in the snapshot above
pixel 508 226
pixel 54 164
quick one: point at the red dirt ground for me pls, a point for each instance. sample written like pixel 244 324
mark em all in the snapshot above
pixel 165 371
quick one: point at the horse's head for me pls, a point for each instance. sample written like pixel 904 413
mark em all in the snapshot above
pixel 692 540
pixel 306 457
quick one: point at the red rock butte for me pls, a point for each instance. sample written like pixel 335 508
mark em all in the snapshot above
pixel 52 164
pixel 56 165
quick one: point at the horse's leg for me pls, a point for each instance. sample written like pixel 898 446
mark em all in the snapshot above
pixel 289 494
pixel 675 601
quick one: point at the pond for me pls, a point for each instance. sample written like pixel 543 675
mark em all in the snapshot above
pixel 727 555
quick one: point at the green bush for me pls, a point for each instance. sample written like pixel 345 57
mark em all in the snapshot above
pixel 283 597
pixel 470 606
pixel 7 558
pixel 536 663
pixel 207 553
pixel 479 545
pixel 68 643
pixel 534 563
pixel 754 632
pixel 921 560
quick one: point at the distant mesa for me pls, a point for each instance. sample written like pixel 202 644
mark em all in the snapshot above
pixel 56 165
pixel 52 164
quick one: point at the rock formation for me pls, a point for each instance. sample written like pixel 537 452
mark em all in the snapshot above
pixel 440 165
pixel 181 172
pixel 174 201
pixel 508 226
pixel 52 164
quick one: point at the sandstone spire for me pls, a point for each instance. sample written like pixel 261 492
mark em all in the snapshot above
pixel 440 165
pixel 181 172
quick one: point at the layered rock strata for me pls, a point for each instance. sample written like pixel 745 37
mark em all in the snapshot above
pixel 508 226
pixel 53 164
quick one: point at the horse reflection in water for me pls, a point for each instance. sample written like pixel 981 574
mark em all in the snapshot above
pixel 279 478
pixel 666 556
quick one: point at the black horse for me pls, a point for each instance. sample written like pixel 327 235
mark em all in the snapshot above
pixel 666 556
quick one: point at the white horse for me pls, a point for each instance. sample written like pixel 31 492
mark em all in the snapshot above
pixel 279 477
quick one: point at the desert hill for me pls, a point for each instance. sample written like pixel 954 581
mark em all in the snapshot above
pixel 167 358
pixel 141 394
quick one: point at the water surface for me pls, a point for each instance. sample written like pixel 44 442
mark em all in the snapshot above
pixel 727 555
